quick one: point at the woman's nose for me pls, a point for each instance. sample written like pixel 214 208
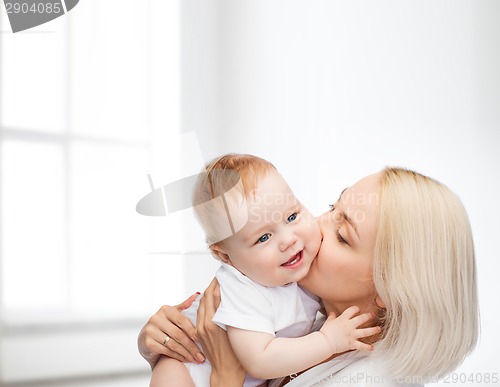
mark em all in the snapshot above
pixel 287 241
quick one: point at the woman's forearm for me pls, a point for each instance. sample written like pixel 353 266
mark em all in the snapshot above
pixel 169 323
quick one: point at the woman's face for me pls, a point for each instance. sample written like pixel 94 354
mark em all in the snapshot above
pixel 342 272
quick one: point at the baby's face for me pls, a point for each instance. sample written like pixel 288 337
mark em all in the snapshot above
pixel 280 239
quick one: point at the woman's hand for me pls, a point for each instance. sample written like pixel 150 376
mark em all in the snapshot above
pixel 226 368
pixel 170 333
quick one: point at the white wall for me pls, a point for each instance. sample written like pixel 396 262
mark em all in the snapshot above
pixel 333 90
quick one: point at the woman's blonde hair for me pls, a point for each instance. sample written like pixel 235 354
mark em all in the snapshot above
pixel 424 272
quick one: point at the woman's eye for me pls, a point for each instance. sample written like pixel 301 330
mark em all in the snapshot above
pixel 264 238
pixel 292 217
pixel 341 239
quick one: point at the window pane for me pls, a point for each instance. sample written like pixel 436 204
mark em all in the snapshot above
pixel 32 225
pixel 112 271
pixel 32 75
pixel 109 70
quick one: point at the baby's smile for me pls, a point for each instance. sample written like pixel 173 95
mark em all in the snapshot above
pixel 295 261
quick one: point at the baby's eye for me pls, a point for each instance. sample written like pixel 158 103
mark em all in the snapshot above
pixel 264 238
pixel 292 217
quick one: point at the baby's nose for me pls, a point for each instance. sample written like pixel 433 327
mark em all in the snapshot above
pixel 288 240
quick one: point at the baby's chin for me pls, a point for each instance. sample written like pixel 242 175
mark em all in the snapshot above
pixel 306 279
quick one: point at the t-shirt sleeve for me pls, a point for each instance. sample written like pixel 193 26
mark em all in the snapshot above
pixel 244 305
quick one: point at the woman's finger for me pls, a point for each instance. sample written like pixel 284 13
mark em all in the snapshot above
pixel 209 306
pixel 214 339
pixel 216 296
pixel 200 319
pixel 173 315
pixel 170 322
pixel 156 337
pixel 171 345
pixel 183 332
pixel 163 350
pixel 186 304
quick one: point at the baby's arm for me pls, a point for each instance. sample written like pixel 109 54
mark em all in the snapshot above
pixel 265 356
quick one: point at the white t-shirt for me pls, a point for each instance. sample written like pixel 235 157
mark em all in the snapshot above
pixel 282 311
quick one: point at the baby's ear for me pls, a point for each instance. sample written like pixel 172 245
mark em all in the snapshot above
pixel 219 253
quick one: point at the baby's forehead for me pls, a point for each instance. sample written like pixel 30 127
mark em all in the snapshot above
pixel 251 206
pixel 262 198
pixel 240 208
pixel 272 185
pixel 272 198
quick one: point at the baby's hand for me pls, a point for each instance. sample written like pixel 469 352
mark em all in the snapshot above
pixel 343 334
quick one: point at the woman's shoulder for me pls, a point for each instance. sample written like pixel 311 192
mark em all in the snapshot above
pixel 351 369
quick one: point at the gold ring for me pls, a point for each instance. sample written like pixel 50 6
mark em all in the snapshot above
pixel 167 339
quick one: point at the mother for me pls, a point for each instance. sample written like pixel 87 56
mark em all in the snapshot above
pixel 397 244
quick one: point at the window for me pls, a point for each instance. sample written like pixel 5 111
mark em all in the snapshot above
pixel 88 102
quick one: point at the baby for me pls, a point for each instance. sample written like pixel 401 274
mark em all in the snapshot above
pixel 266 240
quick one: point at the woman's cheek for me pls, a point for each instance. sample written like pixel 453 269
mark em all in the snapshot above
pixel 328 251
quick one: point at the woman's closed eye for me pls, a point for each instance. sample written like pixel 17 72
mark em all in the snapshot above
pixel 340 238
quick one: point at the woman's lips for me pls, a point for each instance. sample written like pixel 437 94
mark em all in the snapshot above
pixel 295 261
